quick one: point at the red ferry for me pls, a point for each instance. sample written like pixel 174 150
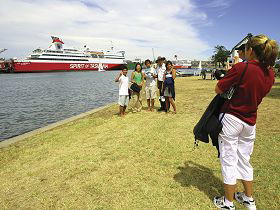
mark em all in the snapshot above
pixel 58 58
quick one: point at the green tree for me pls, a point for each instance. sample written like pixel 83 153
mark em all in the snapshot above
pixel 220 56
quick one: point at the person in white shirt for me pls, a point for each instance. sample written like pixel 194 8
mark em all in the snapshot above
pixel 150 89
pixel 160 72
pixel 123 90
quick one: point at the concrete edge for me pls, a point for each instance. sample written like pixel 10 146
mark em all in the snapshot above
pixel 15 139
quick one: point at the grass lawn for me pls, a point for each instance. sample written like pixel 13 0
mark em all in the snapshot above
pixel 142 161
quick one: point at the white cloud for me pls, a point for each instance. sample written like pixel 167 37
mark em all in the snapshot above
pixel 218 4
pixel 132 25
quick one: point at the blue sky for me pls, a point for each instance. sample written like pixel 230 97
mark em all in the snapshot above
pixel 240 18
pixel 186 28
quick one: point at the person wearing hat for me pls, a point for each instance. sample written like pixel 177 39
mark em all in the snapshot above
pixel 151 87
pixel 160 72
pixel 236 59
pixel 241 51
pixel 238 135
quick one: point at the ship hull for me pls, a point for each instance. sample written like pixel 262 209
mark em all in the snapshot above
pixel 2 65
pixel 182 67
pixel 22 67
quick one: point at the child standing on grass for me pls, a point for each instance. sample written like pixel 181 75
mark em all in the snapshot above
pixel 160 72
pixel 169 86
pixel 123 90
pixel 137 77
pixel 151 88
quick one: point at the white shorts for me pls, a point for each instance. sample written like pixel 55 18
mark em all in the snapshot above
pixel 151 92
pixel 236 142
pixel 123 100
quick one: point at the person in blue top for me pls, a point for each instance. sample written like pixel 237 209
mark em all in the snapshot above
pixel 169 86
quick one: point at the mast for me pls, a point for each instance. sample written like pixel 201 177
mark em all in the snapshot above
pixel 153 54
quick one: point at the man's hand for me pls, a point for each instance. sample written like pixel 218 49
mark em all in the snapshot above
pixel 120 74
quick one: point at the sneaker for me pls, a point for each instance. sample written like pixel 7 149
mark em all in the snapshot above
pixel 220 203
pixel 239 196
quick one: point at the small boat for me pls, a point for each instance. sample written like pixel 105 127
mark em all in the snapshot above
pixel 182 64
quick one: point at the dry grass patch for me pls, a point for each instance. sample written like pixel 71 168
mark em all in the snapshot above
pixel 143 161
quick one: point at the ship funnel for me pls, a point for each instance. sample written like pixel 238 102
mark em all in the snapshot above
pixel 2 50
pixel 57 44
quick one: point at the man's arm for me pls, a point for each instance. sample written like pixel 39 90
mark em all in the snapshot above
pixel 118 77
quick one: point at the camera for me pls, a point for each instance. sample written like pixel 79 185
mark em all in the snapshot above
pixel 219 74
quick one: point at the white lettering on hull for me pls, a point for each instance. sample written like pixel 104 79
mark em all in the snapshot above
pixel 87 66
pixel 24 63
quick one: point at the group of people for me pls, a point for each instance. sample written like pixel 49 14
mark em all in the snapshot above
pixel 161 78
pixel 238 115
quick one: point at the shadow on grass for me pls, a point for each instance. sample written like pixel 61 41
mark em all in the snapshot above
pixel 200 177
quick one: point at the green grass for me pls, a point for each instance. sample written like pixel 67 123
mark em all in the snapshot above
pixel 142 161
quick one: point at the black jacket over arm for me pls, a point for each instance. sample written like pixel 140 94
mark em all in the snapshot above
pixel 209 124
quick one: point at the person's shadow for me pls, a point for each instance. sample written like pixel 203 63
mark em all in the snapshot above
pixel 200 177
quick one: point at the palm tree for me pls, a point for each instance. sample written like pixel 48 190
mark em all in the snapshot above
pixel 220 56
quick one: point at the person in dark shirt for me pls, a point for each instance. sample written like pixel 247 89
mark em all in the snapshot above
pixel 237 137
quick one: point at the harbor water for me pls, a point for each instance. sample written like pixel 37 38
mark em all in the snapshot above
pixel 34 100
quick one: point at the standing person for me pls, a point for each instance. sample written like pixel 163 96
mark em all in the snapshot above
pixel 241 52
pixel 150 85
pixel 237 137
pixel 137 78
pixel 160 72
pixel 169 86
pixel 123 90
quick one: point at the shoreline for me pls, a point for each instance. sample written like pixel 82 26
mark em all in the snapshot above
pixel 9 141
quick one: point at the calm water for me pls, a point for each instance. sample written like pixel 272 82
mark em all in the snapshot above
pixel 34 100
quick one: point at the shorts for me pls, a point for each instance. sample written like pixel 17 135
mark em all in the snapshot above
pixel 123 100
pixel 151 92
pixel 167 93
pixel 236 142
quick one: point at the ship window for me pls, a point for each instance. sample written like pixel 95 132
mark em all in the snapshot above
pixel 59 59
pixel 93 56
pixel 79 56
